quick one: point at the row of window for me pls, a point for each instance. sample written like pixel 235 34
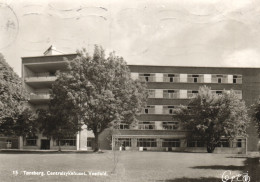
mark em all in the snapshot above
pixel 188 78
pixel 152 142
pixel 63 142
pixel 150 125
pixel 183 94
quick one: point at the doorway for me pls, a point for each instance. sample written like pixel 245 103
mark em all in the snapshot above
pixel 45 144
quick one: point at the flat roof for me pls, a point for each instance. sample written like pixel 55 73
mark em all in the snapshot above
pixel 194 66
pixel 59 55
pixel 221 67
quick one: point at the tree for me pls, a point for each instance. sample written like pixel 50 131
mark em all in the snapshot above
pixel 256 115
pixel 96 91
pixel 56 125
pixel 15 117
pixel 209 117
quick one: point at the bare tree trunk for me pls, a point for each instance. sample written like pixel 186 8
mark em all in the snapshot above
pixel 59 145
pixel 96 143
pixel 210 147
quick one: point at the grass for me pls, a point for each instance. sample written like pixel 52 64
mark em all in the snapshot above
pixel 122 166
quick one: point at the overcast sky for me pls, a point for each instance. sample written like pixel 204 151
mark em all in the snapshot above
pixel 165 32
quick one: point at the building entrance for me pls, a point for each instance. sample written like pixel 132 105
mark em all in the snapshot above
pixel 45 144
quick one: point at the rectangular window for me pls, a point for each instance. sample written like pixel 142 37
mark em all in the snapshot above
pixel 192 93
pixel 171 77
pixel 146 142
pixel 149 110
pixel 239 143
pixel 223 143
pixel 237 79
pixel 219 80
pixel 31 141
pixel 195 143
pixel 170 125
pixel 146 125
pixel 124 142
pixel 89 143
pixel 191 144
pixel 147 77
pixel 168 109
pixel 171 143
pixel 123 126
pixel 171 94
pixel 66 142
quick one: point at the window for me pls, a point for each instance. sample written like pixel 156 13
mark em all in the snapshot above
pixel 125 142
pixel 170 94
pixel 147 77
pixel 219 80
pixel 146 125
pixel 195 143
pixel 192 93
pixel 171 77
pixel 239 143
pixel 122 126
pixel 168 109
pixel 191 144
pixel 218 92
pixel 149 110
pixel 31 141
pixel 223 143
pixel 237 79
pixel 146 142
pixel 171 143
pixel 66 142
pixel 170 125
pixel 200 144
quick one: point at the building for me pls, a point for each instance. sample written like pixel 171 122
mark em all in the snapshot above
pixel 169 86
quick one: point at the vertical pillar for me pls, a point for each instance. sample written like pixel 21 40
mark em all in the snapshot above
pixel 159 142
pixel 20 142
pixel 83 137
pixel 183 143
pixel 77 141
pixel 133 142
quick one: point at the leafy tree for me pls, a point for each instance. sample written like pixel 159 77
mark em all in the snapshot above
pixel 256 115
pixel 209 117
pixel 56 125
pixel 15 117
pixel 96 91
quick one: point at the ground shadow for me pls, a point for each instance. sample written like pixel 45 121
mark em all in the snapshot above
pixel 251 167
pixel 220 167
pixel 210 179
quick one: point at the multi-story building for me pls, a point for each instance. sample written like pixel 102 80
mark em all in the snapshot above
pixel 169 87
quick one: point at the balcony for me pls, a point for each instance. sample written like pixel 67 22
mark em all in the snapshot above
pixel 39 98
pixel 167 95
pixel 40 81
pixel 171 79
pixel 147 78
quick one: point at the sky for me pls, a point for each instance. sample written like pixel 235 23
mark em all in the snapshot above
pixel 164 32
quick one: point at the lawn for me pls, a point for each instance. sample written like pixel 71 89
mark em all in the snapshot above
pixel 123 166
